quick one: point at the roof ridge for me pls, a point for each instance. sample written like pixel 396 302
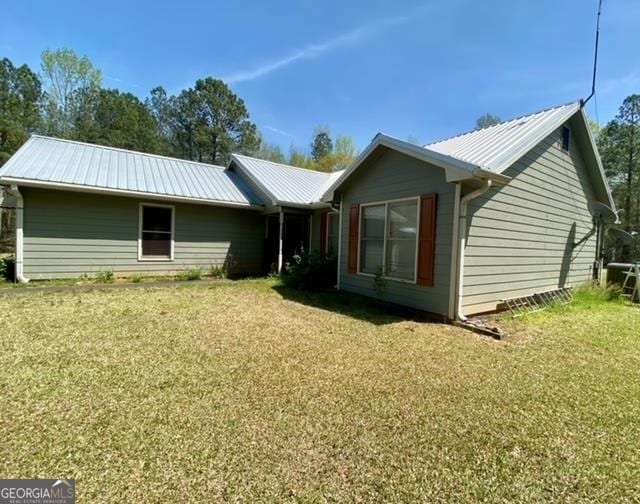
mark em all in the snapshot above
pixel 129 151
pixel 285 165
pixel 468 132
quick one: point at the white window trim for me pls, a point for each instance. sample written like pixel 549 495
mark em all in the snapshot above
pixel 142 258
pixel 384 244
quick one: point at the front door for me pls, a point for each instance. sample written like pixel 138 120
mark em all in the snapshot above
pixel 296 236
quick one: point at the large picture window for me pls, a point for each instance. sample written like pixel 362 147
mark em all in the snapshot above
pixel 388 239
pixel 156 232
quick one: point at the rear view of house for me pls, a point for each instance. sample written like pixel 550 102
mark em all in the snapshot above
pixel 454 228
pixel 460 226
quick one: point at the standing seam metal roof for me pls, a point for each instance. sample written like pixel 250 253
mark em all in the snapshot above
pixel 284 183
pixel 44 159
pixel 495 148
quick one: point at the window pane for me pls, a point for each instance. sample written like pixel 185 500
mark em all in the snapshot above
pixel 373 222
pixel 401 259
pixel 371 256
pixel 156 218
pixel 156 244
pixel 403 219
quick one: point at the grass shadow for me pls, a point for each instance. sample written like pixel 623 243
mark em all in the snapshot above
pixel 352 305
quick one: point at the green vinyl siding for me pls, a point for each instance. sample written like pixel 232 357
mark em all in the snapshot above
pixel 67 234
pixel 533 234
pixel 388 176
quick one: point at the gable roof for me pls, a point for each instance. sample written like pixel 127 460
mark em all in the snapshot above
pixel 497 147
pixel 455 169
pixel 285 184
pixel 52 162
pixel 488 152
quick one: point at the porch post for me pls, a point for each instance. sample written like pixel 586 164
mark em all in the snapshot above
pixel 280 239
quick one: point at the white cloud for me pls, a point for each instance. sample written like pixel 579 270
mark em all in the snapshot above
pixel 278 131
pixel 313 50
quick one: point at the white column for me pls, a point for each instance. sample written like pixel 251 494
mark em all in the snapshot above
pixel 280 239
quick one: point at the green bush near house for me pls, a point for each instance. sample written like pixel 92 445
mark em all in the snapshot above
pixel 218 271
pixel 106 276
pixel 310 271
pixel 190 274
pixel 136 278
pixel 7 268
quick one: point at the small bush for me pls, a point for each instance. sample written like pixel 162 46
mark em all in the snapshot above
pixel 7 268
pixel 218 271
pixel 190 274
pixel 136 278
pixel 310 271
pixel 106 276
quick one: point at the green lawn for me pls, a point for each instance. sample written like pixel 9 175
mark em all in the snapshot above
pixel 244 391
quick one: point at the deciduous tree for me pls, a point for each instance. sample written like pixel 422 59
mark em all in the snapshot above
pixel 71 84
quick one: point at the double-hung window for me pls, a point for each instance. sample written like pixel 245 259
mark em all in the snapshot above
pixel 389 239
pixel 156 232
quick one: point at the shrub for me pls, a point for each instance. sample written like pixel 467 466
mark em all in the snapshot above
pixel 218 271
pixel 190 274
pixel 309 271
pixel 135 278
pixel 7 268
pixel 106 276
pixel 380 283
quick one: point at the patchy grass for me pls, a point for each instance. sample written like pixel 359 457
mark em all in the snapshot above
pixel 108 277
pixel 246 391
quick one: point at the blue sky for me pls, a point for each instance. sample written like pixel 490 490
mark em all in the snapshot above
pixel 407 68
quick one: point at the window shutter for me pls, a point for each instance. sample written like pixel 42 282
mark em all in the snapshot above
pixel 427 239
pixel 323 232
pixel 354 224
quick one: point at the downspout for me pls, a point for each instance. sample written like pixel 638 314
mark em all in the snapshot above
pixel 19 273
pixel 280 239
pixel 462 242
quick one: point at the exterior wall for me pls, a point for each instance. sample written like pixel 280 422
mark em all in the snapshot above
pixel 393 176
pixel 71 233
pixel 521 236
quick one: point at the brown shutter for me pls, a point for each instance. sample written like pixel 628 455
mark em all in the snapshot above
pixel 323 232
pixel 427 239
pixel 354 224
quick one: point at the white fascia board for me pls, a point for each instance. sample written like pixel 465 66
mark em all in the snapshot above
pixel 123 192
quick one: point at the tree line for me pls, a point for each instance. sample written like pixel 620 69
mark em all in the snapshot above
pixel 206 122
pixel 619 146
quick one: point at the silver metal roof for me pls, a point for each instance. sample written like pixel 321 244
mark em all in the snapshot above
pixel 286 184
pixel 497 147
pixel 65 163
